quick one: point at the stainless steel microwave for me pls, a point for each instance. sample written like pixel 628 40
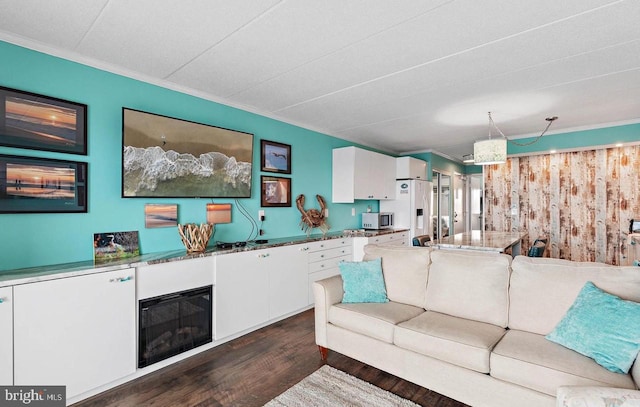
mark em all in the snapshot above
pixel 377 220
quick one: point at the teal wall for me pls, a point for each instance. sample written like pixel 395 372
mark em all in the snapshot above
pixel 437 162
pixel 28 240
pixel 578 139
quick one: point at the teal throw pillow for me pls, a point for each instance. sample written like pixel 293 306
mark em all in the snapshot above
pixel 363 281
pixel 601 326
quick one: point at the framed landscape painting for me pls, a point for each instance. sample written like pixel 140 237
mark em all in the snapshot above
pixel 39 185
pixel 275 157
pixel 164 157
pixel 29 120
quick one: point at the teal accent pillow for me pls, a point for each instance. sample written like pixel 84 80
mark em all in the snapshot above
pixel 363 281
pixel 601 326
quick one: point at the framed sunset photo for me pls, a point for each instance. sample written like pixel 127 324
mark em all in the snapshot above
pixel 38 122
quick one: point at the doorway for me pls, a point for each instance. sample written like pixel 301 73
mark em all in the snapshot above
pixel 440 219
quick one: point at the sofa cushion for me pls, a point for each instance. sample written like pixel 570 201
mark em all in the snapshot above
pixel 376 320
pixel 405 271
pixel 469 284
pixel 543 289
pixel 603 327
pixel 596 396
pixel 455 340
pixel 529 360
pixel 362 281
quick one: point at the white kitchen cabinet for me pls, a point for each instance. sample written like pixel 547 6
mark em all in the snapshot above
pixel 287 280
pixel 411 168
pixel 77 331
pixel 6 336
pixel 241 298
pixel 395 238
pixel 324 258
pixel 256 286
pixel 362 174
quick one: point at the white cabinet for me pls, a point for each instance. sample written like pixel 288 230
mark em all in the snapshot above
pixel 240 294
pixel 411 168
pixel 256 286
pixel 6 336
pixel 362 174
pixel 174 276
pixel 395 238
pixel 324 257
pixel 76 331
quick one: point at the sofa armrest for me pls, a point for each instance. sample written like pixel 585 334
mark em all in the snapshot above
pixel 635 371
pixel 591 396
pixel 326 293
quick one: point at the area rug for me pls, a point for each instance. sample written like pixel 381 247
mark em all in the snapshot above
pixel 329 387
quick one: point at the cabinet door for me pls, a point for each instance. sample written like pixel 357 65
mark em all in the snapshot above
pixel 6 337
pixel 241 292
pixel 375 175
pixel 287 280
pixel 77 331
pixel 386 175
pixel 365 184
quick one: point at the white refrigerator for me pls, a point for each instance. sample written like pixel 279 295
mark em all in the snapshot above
pixel 412 207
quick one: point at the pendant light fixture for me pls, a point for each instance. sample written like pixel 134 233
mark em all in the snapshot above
pixel 494 150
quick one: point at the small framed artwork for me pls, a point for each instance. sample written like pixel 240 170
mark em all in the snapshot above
pixel 115 246
pixel 275 191
pixel 29 120
pixel 40 185
pixel 218 213
pixel 160 215
pixel 276 157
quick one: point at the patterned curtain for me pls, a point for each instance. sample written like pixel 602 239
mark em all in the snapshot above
pixel 581 201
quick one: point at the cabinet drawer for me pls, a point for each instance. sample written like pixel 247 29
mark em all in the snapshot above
pixel 391 237
pixel 328 244
pixel 328 254
pixel 165 278
pixel 328 264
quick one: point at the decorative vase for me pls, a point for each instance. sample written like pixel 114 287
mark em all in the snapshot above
pixel 195 238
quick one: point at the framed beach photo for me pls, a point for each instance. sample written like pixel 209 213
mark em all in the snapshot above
pixel 160 215
pixel 275 191
pixel 275 157
pixel 39 185
pixel 29 120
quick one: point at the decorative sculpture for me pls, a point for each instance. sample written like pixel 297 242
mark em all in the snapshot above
pixel 313 218
pixel 195 238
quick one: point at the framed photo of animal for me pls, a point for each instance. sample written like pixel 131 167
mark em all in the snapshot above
pixel 275 191
pixel 276 157
pixel 111 246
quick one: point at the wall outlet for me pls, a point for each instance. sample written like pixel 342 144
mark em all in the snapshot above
pixel 353 211
pixel 261 214
pixel 326 212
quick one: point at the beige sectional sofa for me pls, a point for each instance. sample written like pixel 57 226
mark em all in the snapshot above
pixel 471 325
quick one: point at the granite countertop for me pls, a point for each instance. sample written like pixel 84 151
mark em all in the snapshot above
pixel 50 272
pixel 480 240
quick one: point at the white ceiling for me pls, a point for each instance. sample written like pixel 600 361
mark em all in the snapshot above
pixel 399 75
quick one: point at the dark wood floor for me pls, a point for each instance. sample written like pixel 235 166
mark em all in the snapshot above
pixel 250 371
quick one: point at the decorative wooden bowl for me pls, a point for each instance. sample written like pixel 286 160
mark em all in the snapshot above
pixel 195 238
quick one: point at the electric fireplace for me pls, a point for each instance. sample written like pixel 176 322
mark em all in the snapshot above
pixel 173 323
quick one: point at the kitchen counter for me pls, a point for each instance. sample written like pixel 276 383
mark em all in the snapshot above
pixel 43 273
pixel 485 241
